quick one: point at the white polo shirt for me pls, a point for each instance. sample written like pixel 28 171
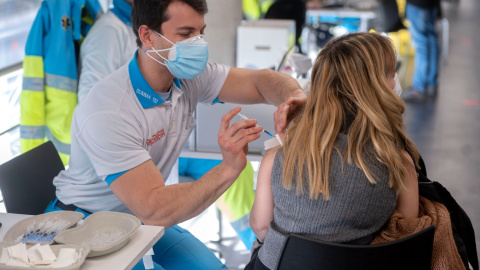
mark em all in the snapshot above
pixel 121 124
pixel 98 59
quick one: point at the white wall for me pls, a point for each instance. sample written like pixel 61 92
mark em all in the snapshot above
pixel 222 19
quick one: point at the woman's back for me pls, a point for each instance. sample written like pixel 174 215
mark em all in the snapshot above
pixel 355 210
pixel 346 162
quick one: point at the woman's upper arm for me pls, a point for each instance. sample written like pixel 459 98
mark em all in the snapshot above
pixel 408 198
pixel 262 210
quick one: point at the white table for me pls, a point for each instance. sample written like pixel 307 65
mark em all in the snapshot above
pixel 125 258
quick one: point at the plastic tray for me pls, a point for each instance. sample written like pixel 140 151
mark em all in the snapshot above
pixel 19 229
pixel 103 232
pixel 56 250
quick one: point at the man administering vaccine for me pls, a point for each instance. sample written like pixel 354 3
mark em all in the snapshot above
pixel 129 131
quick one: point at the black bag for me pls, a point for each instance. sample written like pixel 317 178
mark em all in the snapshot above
pixel 462 228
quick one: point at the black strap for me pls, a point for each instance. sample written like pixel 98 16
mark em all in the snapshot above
pixel 462 227
pixel 69 207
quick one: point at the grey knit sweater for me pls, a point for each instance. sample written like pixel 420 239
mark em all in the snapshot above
pixel 355 211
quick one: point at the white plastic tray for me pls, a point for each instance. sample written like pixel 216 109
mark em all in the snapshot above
pixel 19 229
pixel 103 232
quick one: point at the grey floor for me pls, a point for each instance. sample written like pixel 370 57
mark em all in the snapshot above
pixel 446 129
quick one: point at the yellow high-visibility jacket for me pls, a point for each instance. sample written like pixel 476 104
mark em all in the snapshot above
pixel 255 9
pixel 49 91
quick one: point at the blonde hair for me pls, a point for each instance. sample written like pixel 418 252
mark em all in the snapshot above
pixel 349 94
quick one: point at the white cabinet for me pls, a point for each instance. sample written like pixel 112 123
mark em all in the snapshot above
pixel 263 43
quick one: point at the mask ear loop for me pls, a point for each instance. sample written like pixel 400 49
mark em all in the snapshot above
pixel 156 51
pixel 164 37
pixel 156 60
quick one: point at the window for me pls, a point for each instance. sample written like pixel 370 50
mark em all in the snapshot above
pixel 16 18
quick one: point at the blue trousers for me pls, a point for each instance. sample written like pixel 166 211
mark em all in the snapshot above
pixel 422 30
pixel 177 249
pixel 235 200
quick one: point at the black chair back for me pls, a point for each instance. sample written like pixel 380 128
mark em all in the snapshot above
pixel 413 252
pixel 26 181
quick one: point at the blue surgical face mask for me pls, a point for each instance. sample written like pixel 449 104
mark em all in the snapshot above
pixel 186 59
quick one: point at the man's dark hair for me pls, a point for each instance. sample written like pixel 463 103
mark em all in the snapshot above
pixel 153 13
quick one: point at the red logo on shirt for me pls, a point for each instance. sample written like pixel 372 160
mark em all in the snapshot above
pixel 156 137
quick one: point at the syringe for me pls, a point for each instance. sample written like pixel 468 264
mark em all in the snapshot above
pixel 246 118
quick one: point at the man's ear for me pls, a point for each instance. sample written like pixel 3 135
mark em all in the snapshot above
pixel 145 35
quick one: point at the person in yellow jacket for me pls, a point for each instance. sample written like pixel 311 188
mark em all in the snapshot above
pixel 255 9
pixel 49 91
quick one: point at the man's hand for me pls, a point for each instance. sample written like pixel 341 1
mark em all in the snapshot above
pixel 288 110
pixel 233 140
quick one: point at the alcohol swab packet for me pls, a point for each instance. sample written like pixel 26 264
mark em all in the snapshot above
pixel 273 142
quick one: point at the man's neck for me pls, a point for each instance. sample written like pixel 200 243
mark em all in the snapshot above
pixel 156 75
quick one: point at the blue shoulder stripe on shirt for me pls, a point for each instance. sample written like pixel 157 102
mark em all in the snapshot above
pixel 217 101
pixel 113 177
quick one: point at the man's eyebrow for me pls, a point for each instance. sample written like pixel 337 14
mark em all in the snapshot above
pixel 189 28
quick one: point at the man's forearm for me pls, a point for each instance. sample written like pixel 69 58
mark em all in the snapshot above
pixel 276 87
pixel 143 191
pixel 180 202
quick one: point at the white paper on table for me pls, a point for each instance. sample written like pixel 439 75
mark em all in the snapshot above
pixel 66 257
pixel 47 253
pixel 5 257
pixel 14 262
pixel 41 255
pixel 18 252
